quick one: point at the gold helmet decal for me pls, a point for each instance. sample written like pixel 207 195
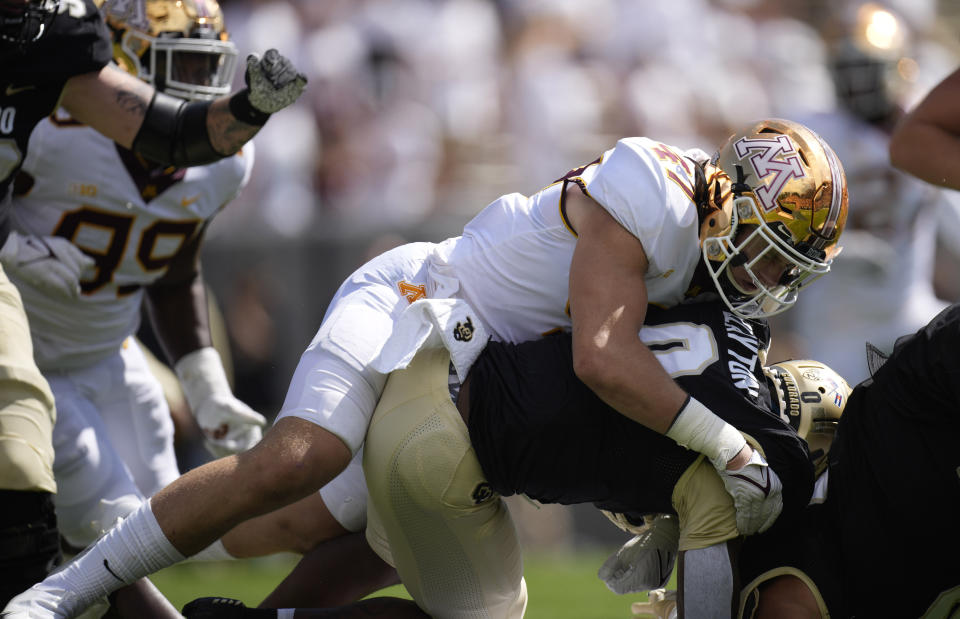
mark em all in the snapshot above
pixel 811 398
pixel 785 196
pixel 179 46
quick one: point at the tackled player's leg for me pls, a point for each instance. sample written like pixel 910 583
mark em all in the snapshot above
pixel 431 512
pixel 29 540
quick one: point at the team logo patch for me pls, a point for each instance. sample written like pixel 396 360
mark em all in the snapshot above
pixel 463 331
pixel 412 292
pixel 483 492
pixel 774 161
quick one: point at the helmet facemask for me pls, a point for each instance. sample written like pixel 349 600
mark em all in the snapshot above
pixel 179 48
pixel 759 250
pixel 782 204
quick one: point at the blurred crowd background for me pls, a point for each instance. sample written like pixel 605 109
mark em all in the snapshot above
pixel 420 112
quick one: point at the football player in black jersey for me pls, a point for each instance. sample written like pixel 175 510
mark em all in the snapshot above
pixel 881 541
pixel 884 542
pixel 58 53
pixel 526 424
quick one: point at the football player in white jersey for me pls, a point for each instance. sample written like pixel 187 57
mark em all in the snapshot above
pixel 140 225
pixel 645 223
pixel 58 53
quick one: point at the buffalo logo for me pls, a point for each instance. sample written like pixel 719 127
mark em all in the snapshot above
pixel 483 492
pixel 463 331
pixel 776 158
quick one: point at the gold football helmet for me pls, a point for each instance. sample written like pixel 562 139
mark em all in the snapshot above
pixel 178 46
pixel 781 194
pixel 811 397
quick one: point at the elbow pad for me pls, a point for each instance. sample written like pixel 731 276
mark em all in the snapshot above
pixel 174 132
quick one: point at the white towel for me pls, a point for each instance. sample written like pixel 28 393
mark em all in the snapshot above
pixel 450 323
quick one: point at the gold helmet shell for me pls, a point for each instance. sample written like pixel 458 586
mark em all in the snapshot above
pixel 811 398
pixel 179 46
pixel 781 188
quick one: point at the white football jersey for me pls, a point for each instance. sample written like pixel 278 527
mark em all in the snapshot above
pixel 85 192
pixel 512 263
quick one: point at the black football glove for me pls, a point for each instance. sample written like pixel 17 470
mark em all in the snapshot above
pixel 273 81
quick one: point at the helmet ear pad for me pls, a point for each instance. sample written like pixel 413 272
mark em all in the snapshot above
pixel 715 223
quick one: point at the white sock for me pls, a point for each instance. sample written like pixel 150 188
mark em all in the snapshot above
pixel 285 613
pixel 131 550
pixel 214 552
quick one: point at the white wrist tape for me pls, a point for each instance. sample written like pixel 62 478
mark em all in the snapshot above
pixel 697 428
pixel 201 376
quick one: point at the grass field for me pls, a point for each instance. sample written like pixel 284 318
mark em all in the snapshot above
pixel 561 586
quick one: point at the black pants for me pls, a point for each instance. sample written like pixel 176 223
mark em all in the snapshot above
pixel 29 541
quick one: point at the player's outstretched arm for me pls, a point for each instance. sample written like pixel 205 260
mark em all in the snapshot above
pixel 926 142
pixel 172 131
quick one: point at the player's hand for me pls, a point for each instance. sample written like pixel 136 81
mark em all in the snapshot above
pixel 49 262
pixel 273 81
pixel 229 426
pixel 757 494
pixel 646 561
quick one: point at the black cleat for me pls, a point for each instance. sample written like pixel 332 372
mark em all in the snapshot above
pixel 215 608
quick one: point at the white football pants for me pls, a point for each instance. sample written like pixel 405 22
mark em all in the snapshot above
pixel 113 442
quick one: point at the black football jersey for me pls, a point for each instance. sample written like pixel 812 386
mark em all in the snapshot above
pixel 538 430
pixel 31 81
pixel 886 541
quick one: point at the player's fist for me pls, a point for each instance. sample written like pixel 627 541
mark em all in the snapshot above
pixel 49 262
pixel 229 426
pixel 273 81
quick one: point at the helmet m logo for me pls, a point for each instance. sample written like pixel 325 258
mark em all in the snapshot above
pixel 775 161
pixel 133 12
